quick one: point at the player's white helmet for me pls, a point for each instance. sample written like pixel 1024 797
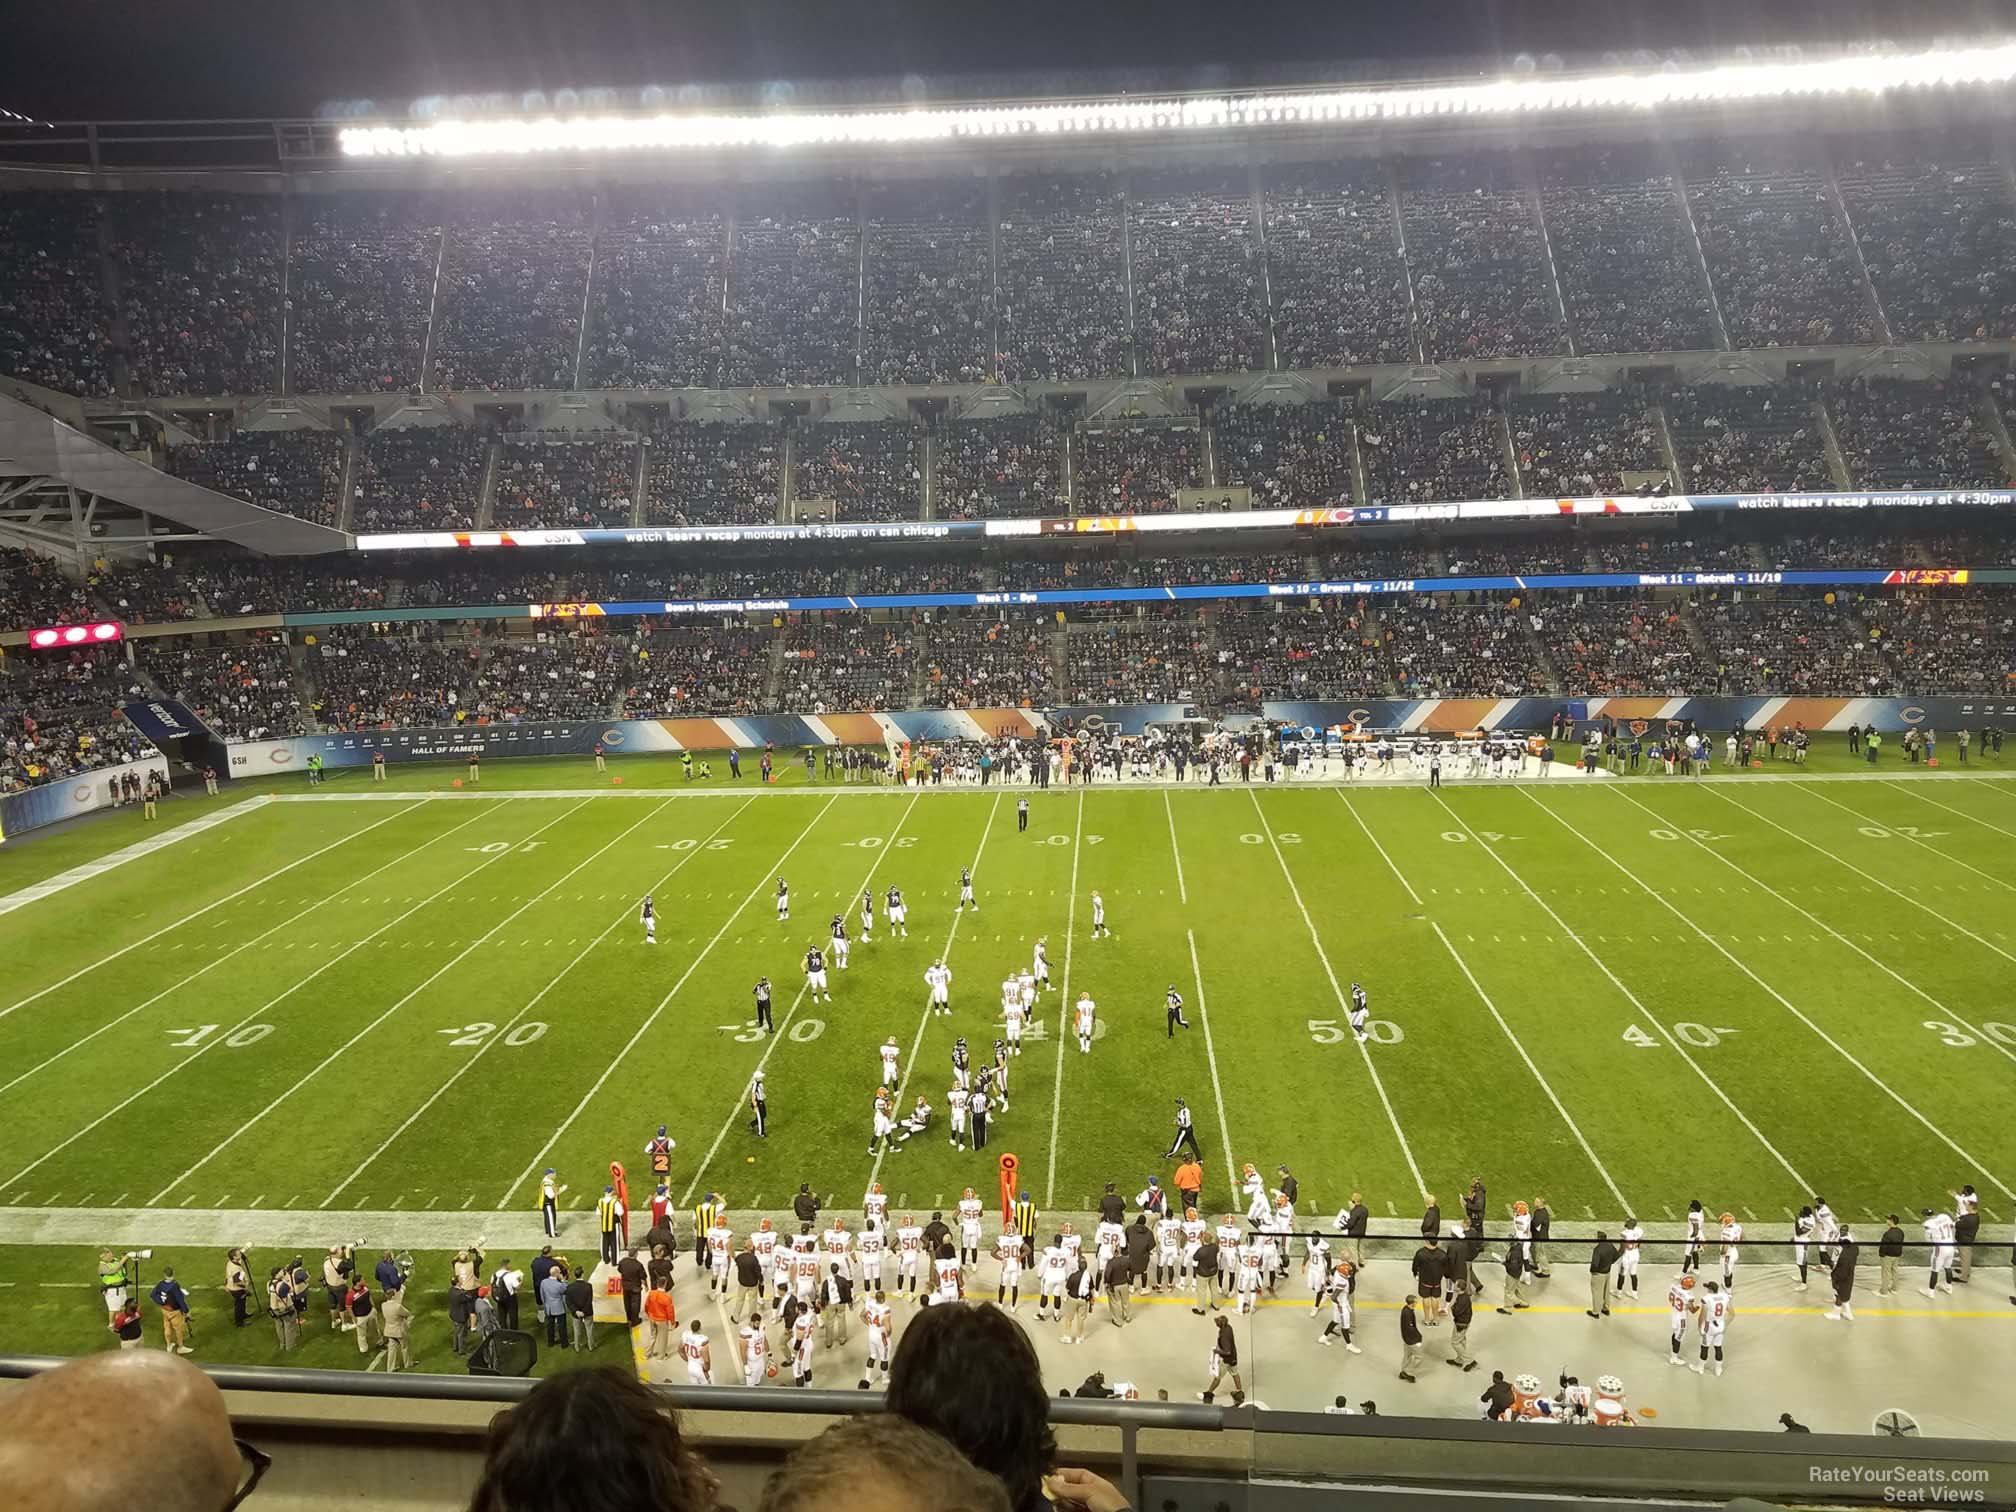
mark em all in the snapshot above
pixel 1527 1384
pixel 1609 1385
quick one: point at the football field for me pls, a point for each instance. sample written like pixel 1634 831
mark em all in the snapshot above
pixel 1617 994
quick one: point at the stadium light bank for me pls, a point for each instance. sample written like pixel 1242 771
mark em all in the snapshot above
pixel 1865 75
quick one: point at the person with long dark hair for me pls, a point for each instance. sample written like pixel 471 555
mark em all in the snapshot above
pixel 970 1375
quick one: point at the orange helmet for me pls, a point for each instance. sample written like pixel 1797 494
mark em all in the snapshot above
pixel 876 1189
pixel 1728 1218
pixel 967 1193
pixel 1519 1208
pixel 765 1225
pixel 1190 1212
pixel 1687 1282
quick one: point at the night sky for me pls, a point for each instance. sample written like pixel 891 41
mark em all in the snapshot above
pixel 109 59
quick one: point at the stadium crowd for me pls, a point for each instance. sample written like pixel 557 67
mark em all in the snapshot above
pixel 1619 236
pixel 1009 466
pixel 1433 449
pixel 298 472
pixel 872 470
pixel 426 478
pixel 1575 445
pixel 1136 468
pixel 243 688
pixel 1616 645
pixel 581 481
pixel 1438 647
pixel 1334 270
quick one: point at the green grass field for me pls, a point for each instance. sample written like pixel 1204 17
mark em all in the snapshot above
pixel 1620 995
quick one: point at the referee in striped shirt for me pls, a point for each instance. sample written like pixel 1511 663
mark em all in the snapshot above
pixel 1025 1225
pixel 704 1217
pixel 1185 1135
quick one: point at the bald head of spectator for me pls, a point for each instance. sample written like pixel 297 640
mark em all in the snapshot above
pixel 112 1432
pixel 881 1464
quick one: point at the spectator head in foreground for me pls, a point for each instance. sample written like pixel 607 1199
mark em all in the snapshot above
pixel 881 1464
pixel 970 1374
pixel 590 1441
pixel 119 1431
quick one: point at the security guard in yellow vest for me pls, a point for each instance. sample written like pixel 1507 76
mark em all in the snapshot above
pixel 704 1217
pixel 608 1215
pixel 1025 1225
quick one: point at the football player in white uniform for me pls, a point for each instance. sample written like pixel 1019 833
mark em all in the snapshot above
pixel 956 1101
pixel 1630 1247
pixel 1732 1244
pixel 1011 1025
pixel 1039 965
pixel 764 1242
pixel 1802 1236
pixel 876 1314
pixel 970 1209
pixel 1359 1013
pixel 875 1205
pixel 891 1054
pixel 883 1140
pixel 1008 1250
pixel 1168 1251
pixel 720 1251
pixel 950 1274
pixel 1050 1280
pixel 699 1358
pixel 1099 917
pixel 1715 1310
pixel 838 1244
pixel 1680 1305
pixel 938 977
pixel 1082 1018
pixel 1339 1291
pixel 804 1339
pixel 1939 1229
pixel 755 1352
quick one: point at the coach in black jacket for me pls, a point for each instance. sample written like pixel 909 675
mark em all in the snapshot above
pixel 1601 1259
pixel 1845 1256
pixel 1356 1219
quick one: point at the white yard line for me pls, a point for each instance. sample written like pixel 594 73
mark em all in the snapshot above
pixel 1777 996
pixel 762 882
pixel 1378 1083
pixel 1819 923
pixel 1490 1007
pixel 1629 996
pixel 1873 822
pixel 1063 1013
pixel 251 1018
pixel 449 965
pixel 287 922
pixel 1904 786
pixel 1210 1056
pixel 49 886
pixel 537 998
pixel 257 882
pixel 777 1033
pixel 951 935
pixel 1182 891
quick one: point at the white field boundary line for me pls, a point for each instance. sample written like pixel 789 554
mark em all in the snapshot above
pixel 413 804
pixel 1063 1013
pixel 1358 785
pixel 1630 997
pixel 1169 809
pixel 1784 1002
pixel 138 850
pixel 1378 1083
pixel 1904 787
pixel 450 964
pixel 776 1036
pixel 1211 1056
pixel 951 936
pixel 1817 922
pixel 1490 1007
pixel 175 987
pixel 1872 822
pixel 251 1018
pixel 537 998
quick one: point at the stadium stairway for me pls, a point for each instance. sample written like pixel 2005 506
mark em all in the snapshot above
pixel 1510 450
pixel 1541 655
pixel 1998 428
pixel 773 680
pixel 1837 461
pixel 486 508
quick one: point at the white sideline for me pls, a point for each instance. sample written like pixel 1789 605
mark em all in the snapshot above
pixel 1210 1056
pixel 1773 992
pixel 413 803
pixel 250 1018
pixel 644 1028
pixel 1630 997
pixel 1492 1008
pixel 453 961
pixel 777 1031
pixel 1883 966
pixel 1378 1082
pixel 951 935
pixel 49 886
pixel 504 1029
pixel 1063 1011
pixel 174 987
